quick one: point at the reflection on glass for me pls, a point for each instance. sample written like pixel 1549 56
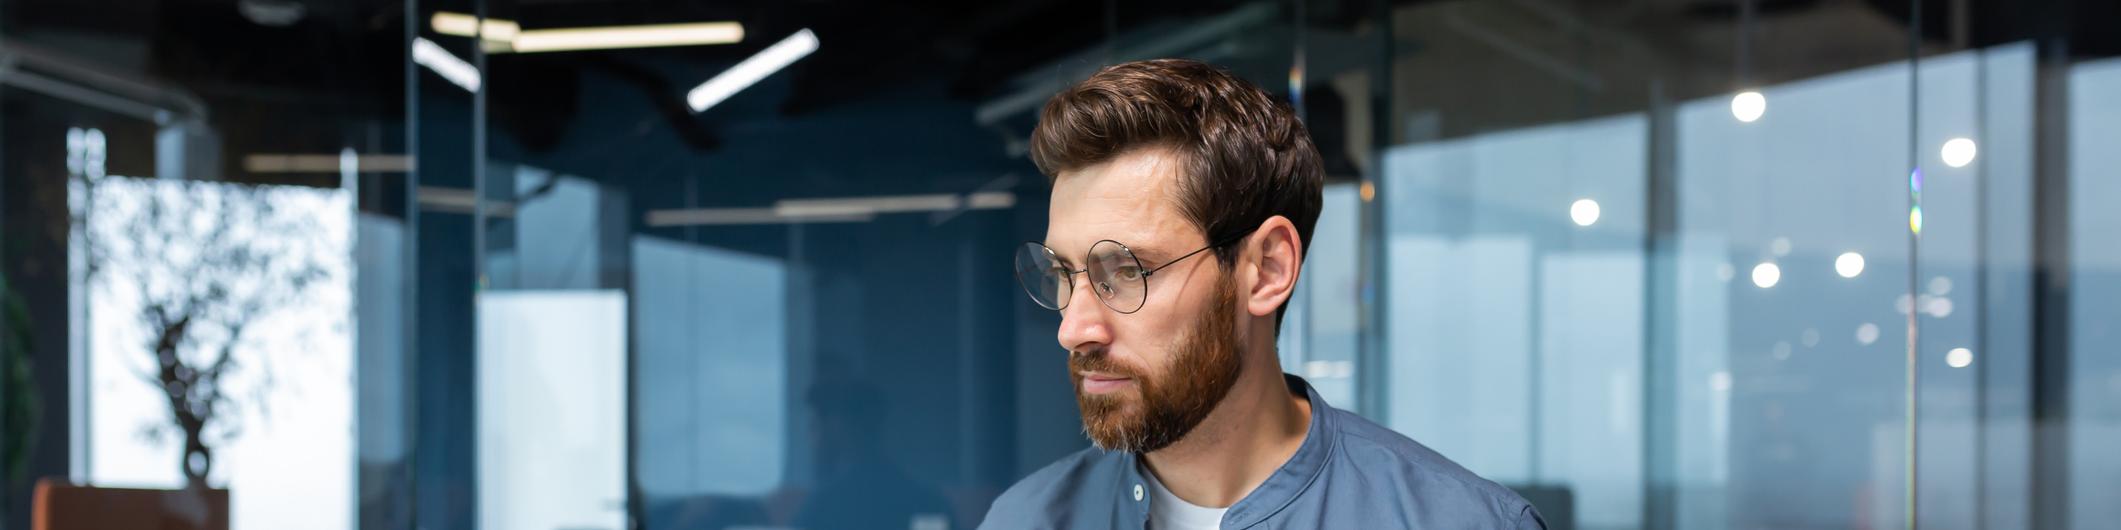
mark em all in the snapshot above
pixel 1584 212
pixel 1957 152
pixel 1748 106
pixel 1767 274
pixel 1848 264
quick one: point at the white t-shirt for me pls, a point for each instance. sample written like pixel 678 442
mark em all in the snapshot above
pixel 1168 512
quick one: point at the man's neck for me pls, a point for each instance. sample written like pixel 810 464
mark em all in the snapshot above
pixel 1249 435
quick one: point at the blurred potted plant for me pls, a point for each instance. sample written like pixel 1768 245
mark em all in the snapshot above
pixel 207 264
pixel 19 406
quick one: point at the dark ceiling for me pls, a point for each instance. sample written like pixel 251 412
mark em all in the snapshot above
pixel 342 61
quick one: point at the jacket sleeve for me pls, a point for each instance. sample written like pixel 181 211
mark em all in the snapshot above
pixel 1528 519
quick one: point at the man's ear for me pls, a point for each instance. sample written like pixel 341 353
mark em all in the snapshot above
pixel 1275 253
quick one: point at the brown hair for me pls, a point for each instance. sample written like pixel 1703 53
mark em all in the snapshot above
pixel 1246 156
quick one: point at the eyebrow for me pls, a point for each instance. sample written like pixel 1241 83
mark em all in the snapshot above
pixel 1151 257
pixel 1147 256
pixel 1059 256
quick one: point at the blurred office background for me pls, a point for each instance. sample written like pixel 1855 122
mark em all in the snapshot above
pixel 520 264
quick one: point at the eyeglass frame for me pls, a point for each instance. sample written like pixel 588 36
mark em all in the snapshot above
pixel 1146 272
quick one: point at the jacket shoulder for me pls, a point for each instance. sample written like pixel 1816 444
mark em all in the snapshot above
pixel 1047 497
pixel 1422 473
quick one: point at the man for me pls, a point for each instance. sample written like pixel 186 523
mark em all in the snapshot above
pixel 1171 349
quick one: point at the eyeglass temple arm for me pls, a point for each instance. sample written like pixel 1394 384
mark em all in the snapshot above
pixel 1225 242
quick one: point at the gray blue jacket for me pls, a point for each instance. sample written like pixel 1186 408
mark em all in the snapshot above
pixel 1349 473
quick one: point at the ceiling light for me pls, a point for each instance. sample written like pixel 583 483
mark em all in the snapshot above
pixel 431 55
pixel 741 216
pixel 463 25
pixel 648 36
pixel 868 205
pixel 834 209
pixel 990 200
pixel 506 36
pixel 751 70
pixel 323 163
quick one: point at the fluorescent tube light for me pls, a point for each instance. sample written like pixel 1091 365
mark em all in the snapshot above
pixel 990 200
pixel 324 163
pixel 742 216
pixel 751 70
pixel 504 36
pixel 868 205
pixel 463 25
pixel 432 56
pixel 649 36
pixel 834 210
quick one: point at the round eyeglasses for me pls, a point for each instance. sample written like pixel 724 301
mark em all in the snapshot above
pixel 1115 275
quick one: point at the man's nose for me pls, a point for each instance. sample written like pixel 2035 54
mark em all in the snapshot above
pixel 1084 323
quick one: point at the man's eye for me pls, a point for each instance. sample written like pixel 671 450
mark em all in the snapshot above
pixel 1128 273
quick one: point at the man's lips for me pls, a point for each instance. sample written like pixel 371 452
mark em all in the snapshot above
pixel 1102 383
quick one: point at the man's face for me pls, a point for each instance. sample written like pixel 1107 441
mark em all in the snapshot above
pixel 1143 380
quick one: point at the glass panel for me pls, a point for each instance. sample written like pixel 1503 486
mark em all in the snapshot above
pixel 443 221
pixel 552 409
pixel 1974 275
pixel 1760 212
pixel 2094 293
pixel 1610 263
pixel 696 378
pixel 1536 229
pixel 1321 329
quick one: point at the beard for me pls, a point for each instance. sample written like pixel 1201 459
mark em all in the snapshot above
pixel 1204 364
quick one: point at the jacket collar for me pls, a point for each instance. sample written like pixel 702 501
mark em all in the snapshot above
pixel 1280 489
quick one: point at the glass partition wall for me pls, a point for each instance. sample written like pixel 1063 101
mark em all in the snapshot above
pixel 1699 265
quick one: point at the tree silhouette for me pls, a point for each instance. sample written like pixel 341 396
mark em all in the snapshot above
pixel 207 263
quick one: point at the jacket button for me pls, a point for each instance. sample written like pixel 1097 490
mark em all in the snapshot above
pixel 1137 492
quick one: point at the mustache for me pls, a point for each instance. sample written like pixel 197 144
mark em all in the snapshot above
pixel 1099 361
